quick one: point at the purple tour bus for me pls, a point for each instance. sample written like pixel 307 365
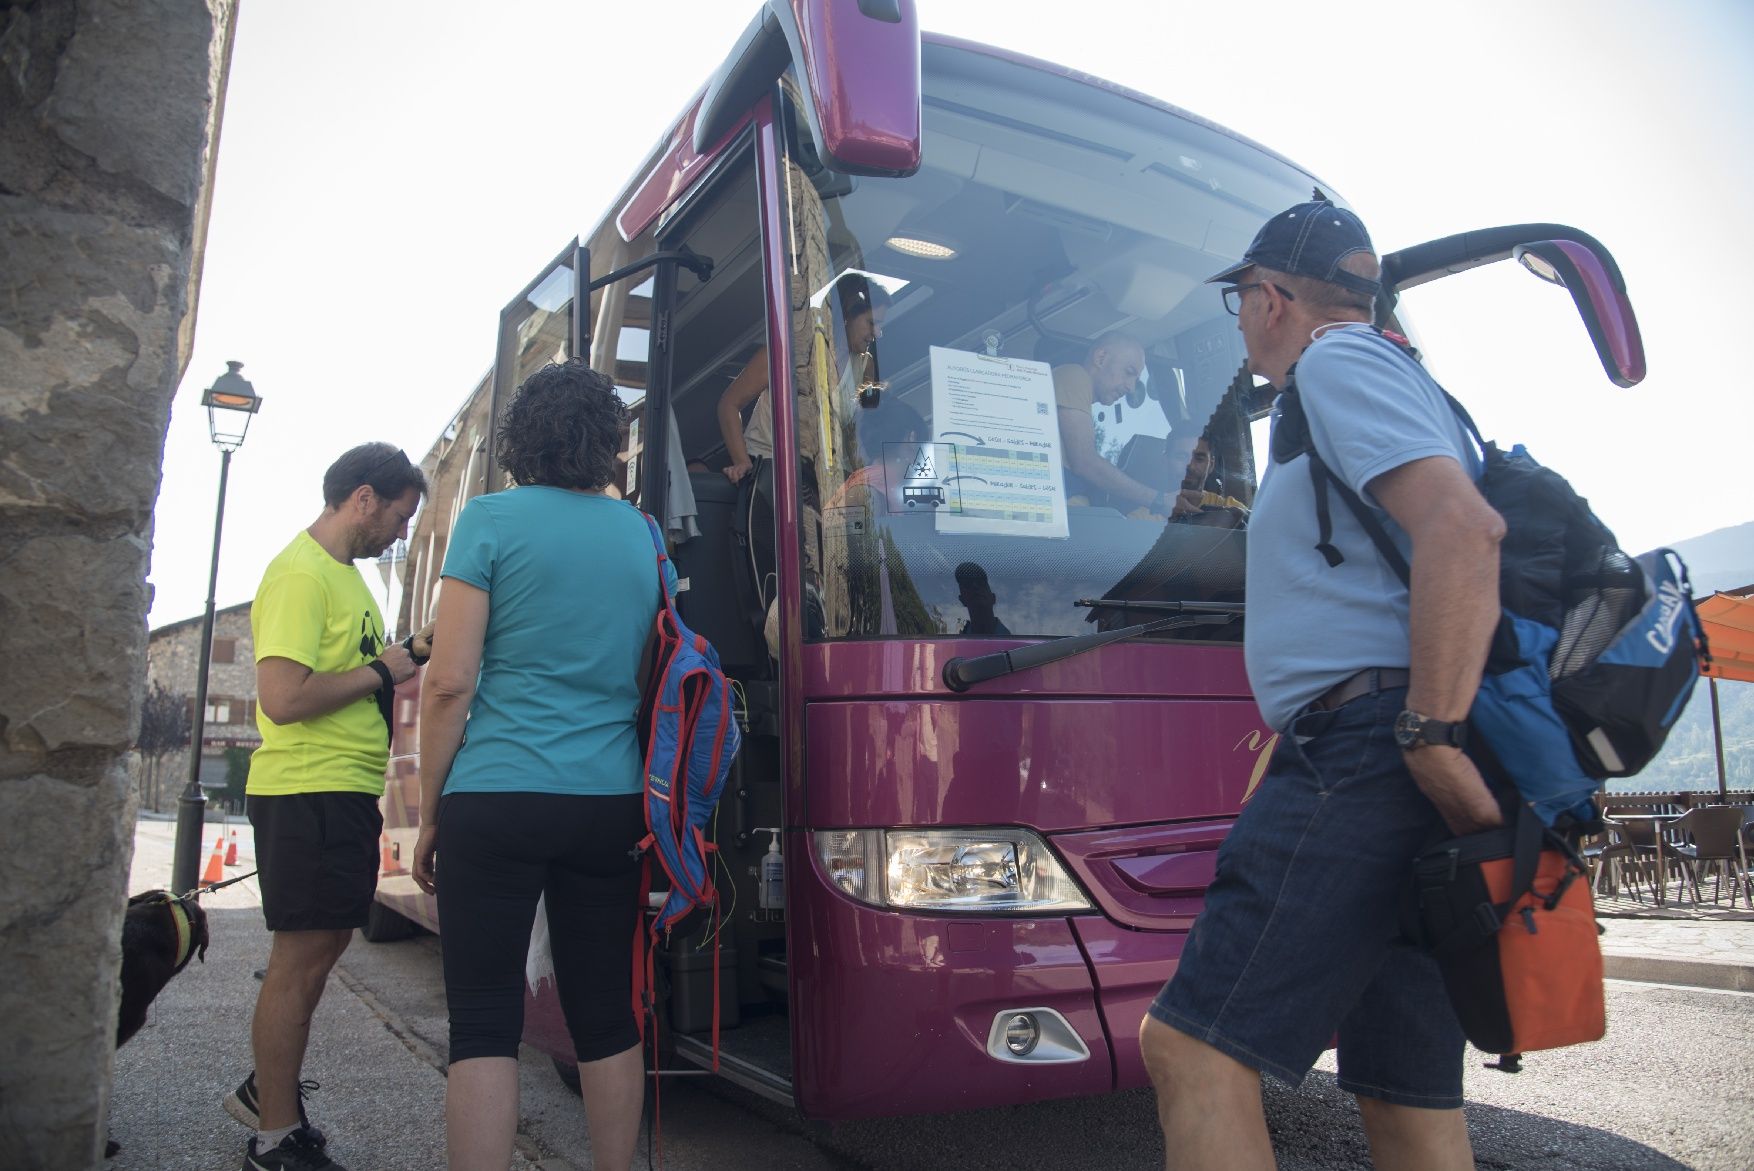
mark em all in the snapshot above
pixel 996 716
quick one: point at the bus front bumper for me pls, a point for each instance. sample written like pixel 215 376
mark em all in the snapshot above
pixel 898 1013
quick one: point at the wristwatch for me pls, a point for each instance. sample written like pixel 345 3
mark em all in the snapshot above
pixel 1413 730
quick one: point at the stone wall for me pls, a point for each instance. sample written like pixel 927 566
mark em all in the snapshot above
pixel 109 120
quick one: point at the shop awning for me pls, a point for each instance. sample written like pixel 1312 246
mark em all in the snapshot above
pixel 1728 618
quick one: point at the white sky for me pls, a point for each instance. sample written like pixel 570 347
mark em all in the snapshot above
pixel 392 172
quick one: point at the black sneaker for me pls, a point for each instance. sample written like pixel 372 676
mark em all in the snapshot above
pixel 242 1105
pixel 298 1151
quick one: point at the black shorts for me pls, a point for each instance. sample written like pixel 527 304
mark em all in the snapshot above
pixel 317 854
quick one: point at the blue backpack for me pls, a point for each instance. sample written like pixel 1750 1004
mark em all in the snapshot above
pixel 689 730
pixel 691 734
pixel 1595 653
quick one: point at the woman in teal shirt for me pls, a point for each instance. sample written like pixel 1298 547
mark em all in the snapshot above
pixel 550 595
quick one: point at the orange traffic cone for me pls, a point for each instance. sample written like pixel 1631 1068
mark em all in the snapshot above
pixel 231 850
pixel 215 871
pixel 390 861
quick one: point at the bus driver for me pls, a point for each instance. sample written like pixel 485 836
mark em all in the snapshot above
pixel 1109 372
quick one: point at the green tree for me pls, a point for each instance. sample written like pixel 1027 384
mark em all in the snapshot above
pixel 165 727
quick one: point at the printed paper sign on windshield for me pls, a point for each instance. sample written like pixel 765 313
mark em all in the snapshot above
pixel 995 465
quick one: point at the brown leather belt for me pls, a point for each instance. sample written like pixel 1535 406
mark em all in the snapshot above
pixel 1366 682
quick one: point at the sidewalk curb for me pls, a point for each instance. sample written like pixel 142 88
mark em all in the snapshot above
pixel 1726 977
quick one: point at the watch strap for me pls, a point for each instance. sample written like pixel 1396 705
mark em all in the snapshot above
pixel 1444 733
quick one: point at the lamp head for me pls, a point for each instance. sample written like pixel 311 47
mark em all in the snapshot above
pixel 230 403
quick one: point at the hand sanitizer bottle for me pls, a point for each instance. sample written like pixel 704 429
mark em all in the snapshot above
pixel 773 874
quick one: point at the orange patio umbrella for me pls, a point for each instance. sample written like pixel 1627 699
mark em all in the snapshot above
pixel 1728 618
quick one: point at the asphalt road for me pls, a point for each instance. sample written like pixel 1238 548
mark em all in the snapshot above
pixel 1672 1085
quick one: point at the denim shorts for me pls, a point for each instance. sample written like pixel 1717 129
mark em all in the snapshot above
pixel 1298 943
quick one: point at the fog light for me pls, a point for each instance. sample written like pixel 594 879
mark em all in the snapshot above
pixel 1021 1034
pixel 1029 1034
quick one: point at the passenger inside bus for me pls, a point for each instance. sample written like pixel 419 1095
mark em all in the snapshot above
pixel 885 429
pixel 841 368
pixel 1110 371
pixel 1202 492
pixel 863 304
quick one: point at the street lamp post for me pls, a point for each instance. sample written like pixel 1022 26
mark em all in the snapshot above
pixel 231 402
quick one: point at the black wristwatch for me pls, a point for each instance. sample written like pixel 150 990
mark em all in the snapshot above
pixel 1413 730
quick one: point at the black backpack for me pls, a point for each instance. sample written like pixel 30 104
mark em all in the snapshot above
pixel 1595 653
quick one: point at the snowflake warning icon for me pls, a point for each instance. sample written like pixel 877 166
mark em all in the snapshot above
pixel 921 467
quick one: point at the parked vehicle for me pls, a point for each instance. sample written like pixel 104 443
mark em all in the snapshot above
pixel 992 846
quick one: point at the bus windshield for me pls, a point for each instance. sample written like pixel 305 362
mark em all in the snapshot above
pixel 1012 392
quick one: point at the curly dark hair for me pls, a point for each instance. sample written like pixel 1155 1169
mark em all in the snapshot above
pixel 563 428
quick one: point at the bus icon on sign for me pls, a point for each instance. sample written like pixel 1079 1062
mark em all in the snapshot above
pixel 927 495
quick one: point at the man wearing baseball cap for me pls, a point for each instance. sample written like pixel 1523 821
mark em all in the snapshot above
pixel 1367 684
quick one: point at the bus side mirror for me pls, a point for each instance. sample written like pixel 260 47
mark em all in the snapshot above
pixel 1554 252
pixel 847 58
pixel 1606 312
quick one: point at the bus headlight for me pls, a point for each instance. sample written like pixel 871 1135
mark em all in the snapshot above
pixel 1002 871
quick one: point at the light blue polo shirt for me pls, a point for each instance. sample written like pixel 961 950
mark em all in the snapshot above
pixel 1371 409
pixel 573 590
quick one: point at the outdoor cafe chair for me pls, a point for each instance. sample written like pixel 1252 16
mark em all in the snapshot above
pixel 1624 848
pixel 1711 836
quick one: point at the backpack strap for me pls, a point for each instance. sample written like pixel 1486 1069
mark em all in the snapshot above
pixel 1294 425
pixel 1299 440
pixel 664 597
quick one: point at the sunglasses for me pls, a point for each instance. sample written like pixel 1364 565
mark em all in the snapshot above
pixel 398 454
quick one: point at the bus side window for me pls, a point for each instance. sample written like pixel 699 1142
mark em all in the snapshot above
pixel 621 348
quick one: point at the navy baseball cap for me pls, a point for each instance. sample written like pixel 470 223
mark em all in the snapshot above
pixel 1309 240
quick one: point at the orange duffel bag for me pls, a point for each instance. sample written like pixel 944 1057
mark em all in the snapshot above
pixel 1508 916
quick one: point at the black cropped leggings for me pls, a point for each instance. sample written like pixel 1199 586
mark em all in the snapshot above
pixel 497 853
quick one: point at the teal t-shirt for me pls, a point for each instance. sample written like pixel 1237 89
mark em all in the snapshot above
pixel 572 581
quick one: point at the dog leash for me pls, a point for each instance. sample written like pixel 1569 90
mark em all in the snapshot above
pixel 201 890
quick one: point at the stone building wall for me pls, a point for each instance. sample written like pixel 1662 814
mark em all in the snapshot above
pixel 109 121
pixel 173 652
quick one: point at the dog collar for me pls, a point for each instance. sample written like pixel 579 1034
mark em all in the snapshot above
pixel 185 932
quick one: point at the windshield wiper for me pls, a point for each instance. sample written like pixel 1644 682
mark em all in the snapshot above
pixel 962 672
pixel 1163 607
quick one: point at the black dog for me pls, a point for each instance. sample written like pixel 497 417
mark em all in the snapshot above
pixel 160 935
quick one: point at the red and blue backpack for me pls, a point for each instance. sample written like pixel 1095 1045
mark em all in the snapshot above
pixel 690 732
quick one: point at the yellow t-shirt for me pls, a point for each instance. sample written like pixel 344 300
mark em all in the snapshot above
pixel 314 610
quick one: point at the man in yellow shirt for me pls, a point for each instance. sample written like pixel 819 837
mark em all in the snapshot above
pixel 1109 372
pixel 324 681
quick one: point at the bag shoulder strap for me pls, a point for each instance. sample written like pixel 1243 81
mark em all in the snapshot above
pixel 1323 478
pixel 668 602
